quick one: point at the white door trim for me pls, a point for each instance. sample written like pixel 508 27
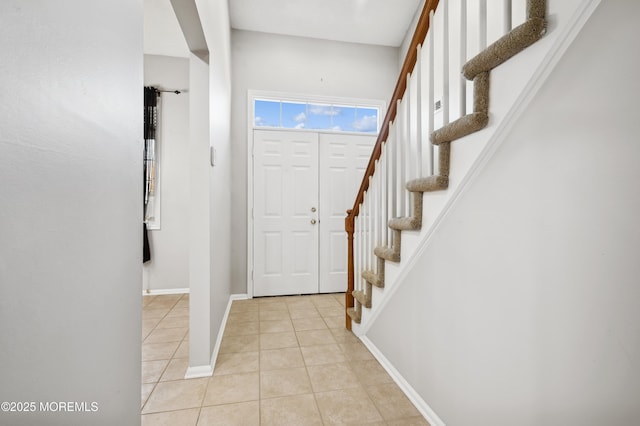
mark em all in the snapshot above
pixel 251 96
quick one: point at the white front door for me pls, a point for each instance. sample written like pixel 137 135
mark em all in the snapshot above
pixel 285 213
pixel 343 160
pixel 303 184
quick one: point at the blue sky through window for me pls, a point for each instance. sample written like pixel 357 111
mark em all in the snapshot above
pixel 267 113
pixel 317 116
pixel 294 115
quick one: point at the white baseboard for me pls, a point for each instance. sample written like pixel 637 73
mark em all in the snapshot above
pixel 207 370
pixel 199 371
pixel 163 291
pixel 422 406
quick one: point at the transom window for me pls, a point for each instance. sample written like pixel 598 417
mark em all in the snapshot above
pixel 338 117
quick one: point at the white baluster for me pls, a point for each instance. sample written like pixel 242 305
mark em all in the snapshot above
pixel 375 209
pixel 384 176
pixel 431 88
pixel 418 75
pixel 463 56
pixel 482 16
pixel 393 170
pixel 370 226
pixel 400 161
pixel 391 177
pixel 507 16
pixel 445 63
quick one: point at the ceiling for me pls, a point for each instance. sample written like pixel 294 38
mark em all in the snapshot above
pixel 379 22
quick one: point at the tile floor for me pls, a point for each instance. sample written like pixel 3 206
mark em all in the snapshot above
pixel 283 361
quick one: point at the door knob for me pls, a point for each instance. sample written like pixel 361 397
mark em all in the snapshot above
pixel 313 209
pixel 313 221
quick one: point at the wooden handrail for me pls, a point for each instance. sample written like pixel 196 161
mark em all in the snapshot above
pixel 407 67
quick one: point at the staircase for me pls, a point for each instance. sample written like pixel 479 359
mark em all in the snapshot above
pixel 403 168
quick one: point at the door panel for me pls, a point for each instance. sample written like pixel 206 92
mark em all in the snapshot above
pixel 285 190
pixel 343 160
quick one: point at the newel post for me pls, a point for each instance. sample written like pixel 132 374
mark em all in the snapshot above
pixel 349 227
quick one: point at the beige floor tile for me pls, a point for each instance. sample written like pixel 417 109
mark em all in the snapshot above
pixel 244 305
pixel 146 299
pixel 172 418
pixel 174 322
pixel 335 322
pixel 278 340
pixel 303 324
pixel 152 370
pixel 272 304
pixel 391 401
pixel 356 351
pixel 145 391
pixel 266 315
pixel 274 359
pixel 178 313
pixel 410 421
pixel 156 351
pixel 178 395
pixel 300 304
pixel 325 300
pixel 327 377
pixel 331 311
pixel 248 343
pixel 276 326
pixel 342 335
pixel 183 349
pixel 242 328
pixel 315 337
pixel 298 410
pixel 322 354
pixel 146 330
pixel 243 316
pixel 163 335
pixel 236 363
pixel 176 369
pixel 311 312
pixel 349 406
pixel 232 388
pixel 161 304
pixel 340 298
pixel 182 304
pixel 277 383
pixel 154 313
pixel 370 372
pixel 239 414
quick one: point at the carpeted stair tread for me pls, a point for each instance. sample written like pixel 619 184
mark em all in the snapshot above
pixel 387 253
pixel 405 223
pixel 428 184
pixel 505 47
pixel 354 315
pixel 373 278
pixel 363 298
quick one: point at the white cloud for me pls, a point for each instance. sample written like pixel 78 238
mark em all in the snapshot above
pixel 323 110
pixel 337 128
pixel 300 126
pixel 300 117
pixel 368 123
pixel 259 121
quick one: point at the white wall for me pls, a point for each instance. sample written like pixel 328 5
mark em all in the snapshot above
pixel 210 187
pixel 525 306
pixel 169 265
pixel 71 209
pixel 294 65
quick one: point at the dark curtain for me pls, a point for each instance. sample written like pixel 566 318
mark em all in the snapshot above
pixel 150 124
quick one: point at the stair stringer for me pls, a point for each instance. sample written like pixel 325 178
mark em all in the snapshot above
pixel 471 153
